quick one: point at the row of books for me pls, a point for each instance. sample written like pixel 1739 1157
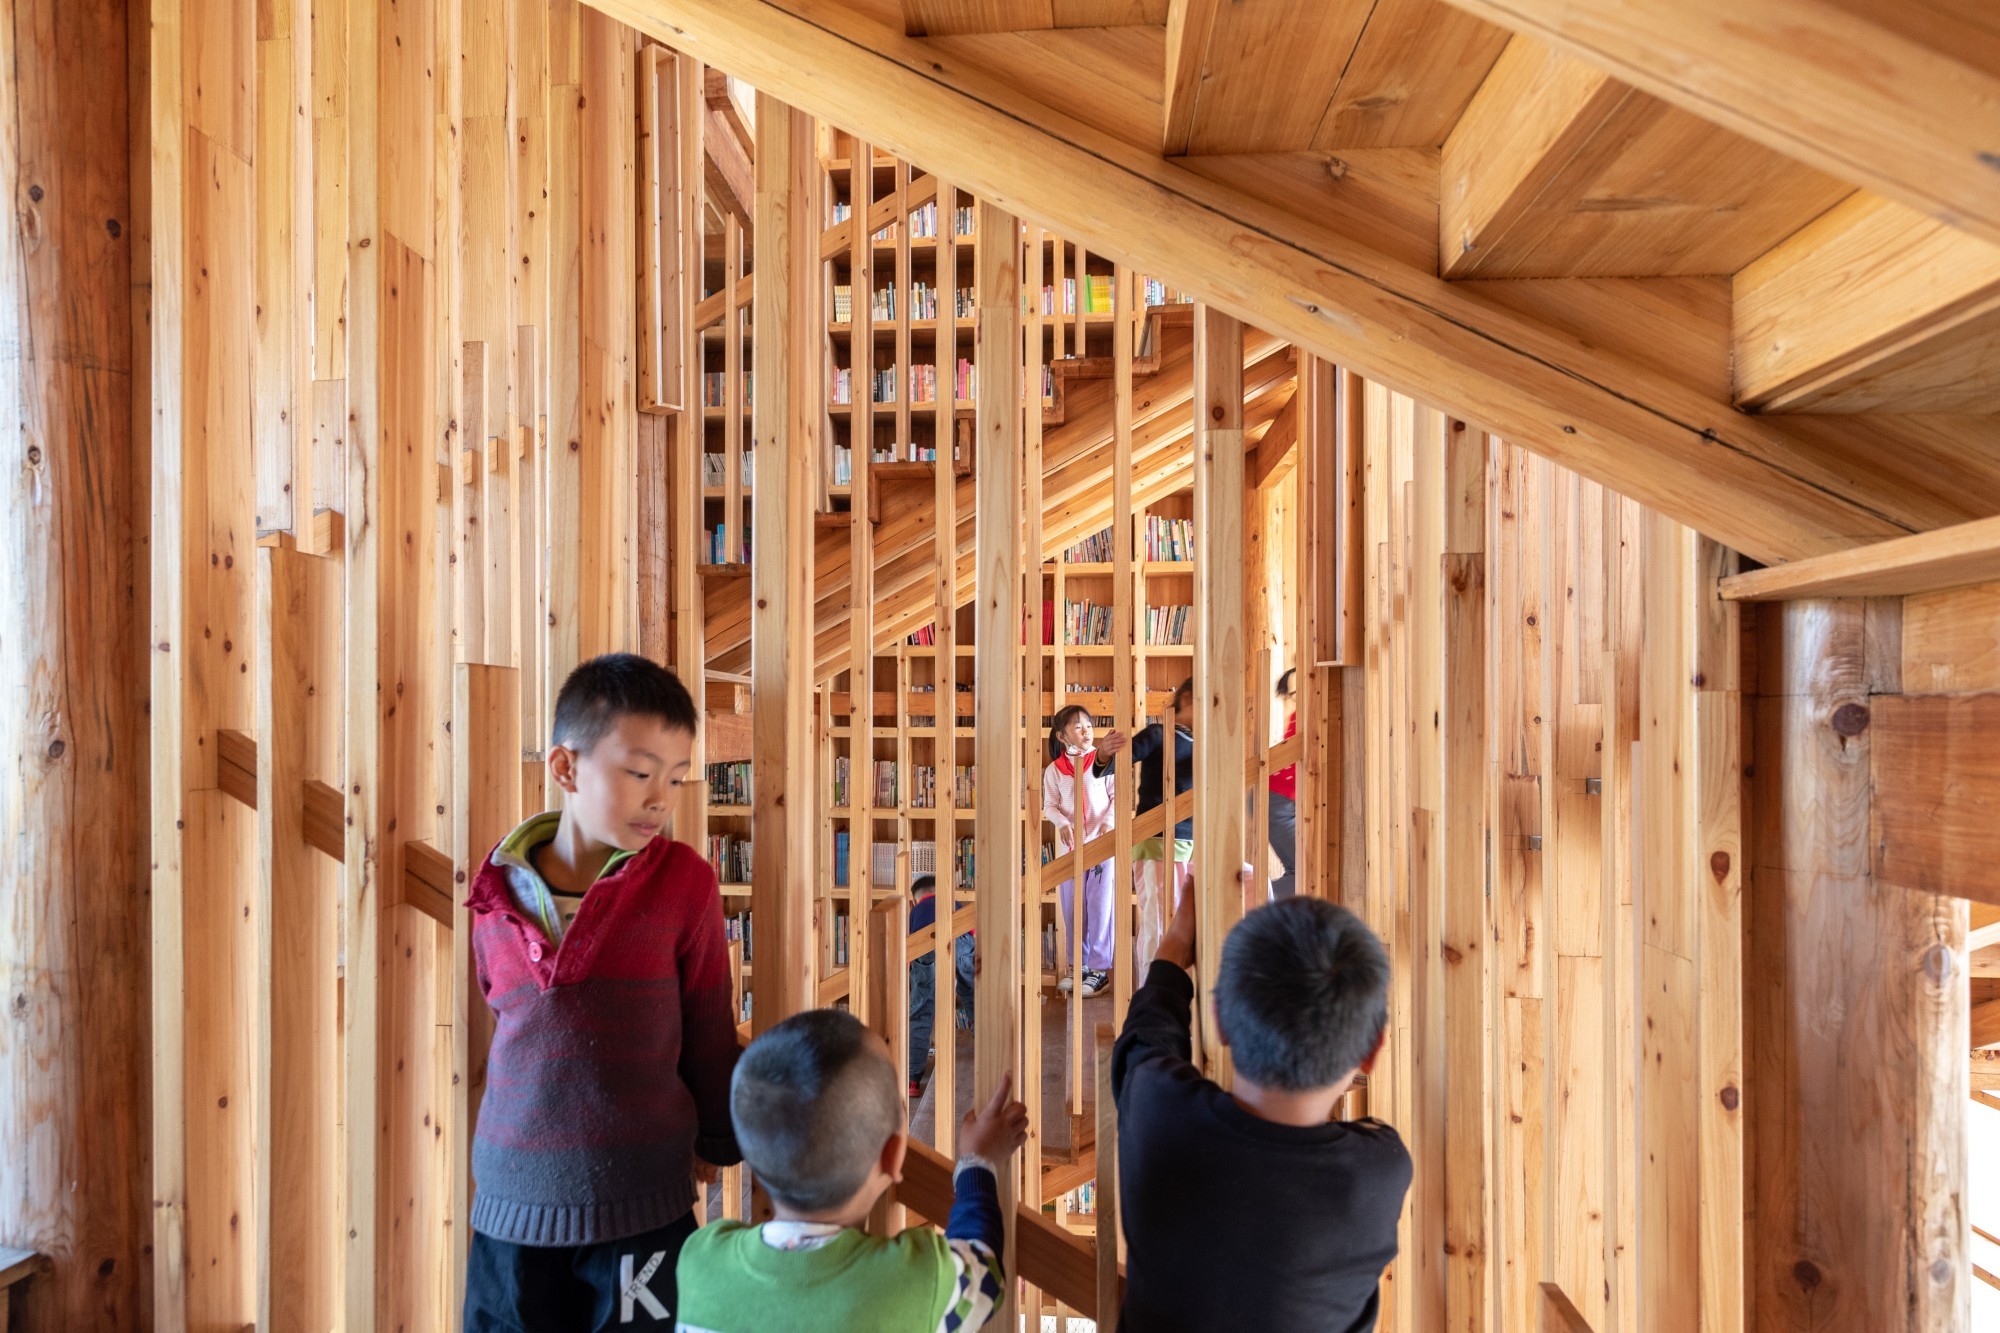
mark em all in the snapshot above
pixel 1167 624
pixel 923 222
pixel 1096 549
pixel 1086 623
pixel 729 784
pixel 1157 294
pixel 843 458
pixel 923 786
pixel 717 541
pixel 730 855
pixel 882 302
pixel 715 469
pixel 923 383
pixel 1097 299
pixel 1169 538
pixel 882 861
pixel 924 301
pixel 715 389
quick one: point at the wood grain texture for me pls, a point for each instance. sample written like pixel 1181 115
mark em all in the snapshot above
pixel 997 668
pixel 1871 307
pixel 1558 170
pixel 75 1150
pixel 1935 817
pixel 1916 126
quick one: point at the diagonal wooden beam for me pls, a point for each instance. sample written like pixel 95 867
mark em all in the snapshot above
pixel 1954 557
pixel 1657 439
pixel 1189 23
pixel 1883 93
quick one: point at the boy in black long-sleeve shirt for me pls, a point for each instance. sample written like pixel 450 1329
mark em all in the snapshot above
pixel 1255 1208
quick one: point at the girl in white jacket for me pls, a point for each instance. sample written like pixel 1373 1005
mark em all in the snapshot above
pixel 1076 796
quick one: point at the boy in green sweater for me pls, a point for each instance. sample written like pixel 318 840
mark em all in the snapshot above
pixel 821 1122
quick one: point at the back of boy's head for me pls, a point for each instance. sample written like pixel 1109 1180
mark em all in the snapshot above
pixel 1302 994
pixel 814 1101
pixel 616 685
pixel 922 885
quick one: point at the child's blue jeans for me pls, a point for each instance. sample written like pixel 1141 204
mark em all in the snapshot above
pixel 923 997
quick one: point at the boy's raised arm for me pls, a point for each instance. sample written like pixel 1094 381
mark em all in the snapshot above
pixel 1158 1026
pixel 708 1026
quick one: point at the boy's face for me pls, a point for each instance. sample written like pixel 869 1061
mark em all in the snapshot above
pixel 623 789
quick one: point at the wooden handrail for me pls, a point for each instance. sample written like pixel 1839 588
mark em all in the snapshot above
pixel 1152 824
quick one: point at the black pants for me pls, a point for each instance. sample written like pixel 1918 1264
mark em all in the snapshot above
pixel 625 1283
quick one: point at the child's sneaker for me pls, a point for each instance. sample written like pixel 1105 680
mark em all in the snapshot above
pixel 1094 982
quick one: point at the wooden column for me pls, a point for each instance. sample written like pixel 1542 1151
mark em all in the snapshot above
pixel 73 1117
pixel 1855 1190
pixel 861 577
pixel 689 659
pixel 1221 672
pixel 997 675
pixel 781 660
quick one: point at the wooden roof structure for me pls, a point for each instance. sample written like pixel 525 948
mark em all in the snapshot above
pixel 1699 261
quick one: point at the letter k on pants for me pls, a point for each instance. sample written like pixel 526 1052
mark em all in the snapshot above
pixel 633 1290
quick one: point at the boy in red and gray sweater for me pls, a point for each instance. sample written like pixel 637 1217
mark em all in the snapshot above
pixel 600 948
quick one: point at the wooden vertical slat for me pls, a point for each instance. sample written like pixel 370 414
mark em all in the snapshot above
pixel 608 508
pixel 486 752
pixel 654 161
pixel 781 577
pixel 1028 355
pixel 1110 1294
pixel 861 576
pixel 1128 706
pixel 469 568
pixel 1465 931
pixel 282 240
pixel 944 610
pixel 297 1191
pixel 997 673
pixel 735 399
pixel 1220 671
pixel 561 308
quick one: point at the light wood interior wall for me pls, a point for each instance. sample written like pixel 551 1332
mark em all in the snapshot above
pixel 1551 780
pixel 396 266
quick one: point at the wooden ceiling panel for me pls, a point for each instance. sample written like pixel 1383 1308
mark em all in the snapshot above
pixel 1259 76
pixel 1120 96
pixel 1558 170
pixel 1872 307
pixel 941 18
pixel 1410 77
pixel 947 18
pixel 1894 96
pixel 1385 197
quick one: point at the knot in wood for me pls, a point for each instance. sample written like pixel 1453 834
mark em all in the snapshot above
pixel 1850 719
pixel 1806 1274
pixel 1731 1098
pixel 1939 964
pixel 1718 866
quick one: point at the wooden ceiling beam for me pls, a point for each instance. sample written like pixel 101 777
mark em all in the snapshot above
pixel 1189 23
pixel 1559 170
pixel 1742 480
pixel 1872 307
pixel 1882 93
pixel 728 173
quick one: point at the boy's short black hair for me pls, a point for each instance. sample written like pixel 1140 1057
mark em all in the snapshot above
pixel 922 885
pixel 814 1101
pixel 1288 682
pixel 1184 691
pixel 616 685
pixel 1302 994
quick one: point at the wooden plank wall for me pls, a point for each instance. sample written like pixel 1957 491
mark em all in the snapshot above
pixel 1551 777
pixel 354 493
